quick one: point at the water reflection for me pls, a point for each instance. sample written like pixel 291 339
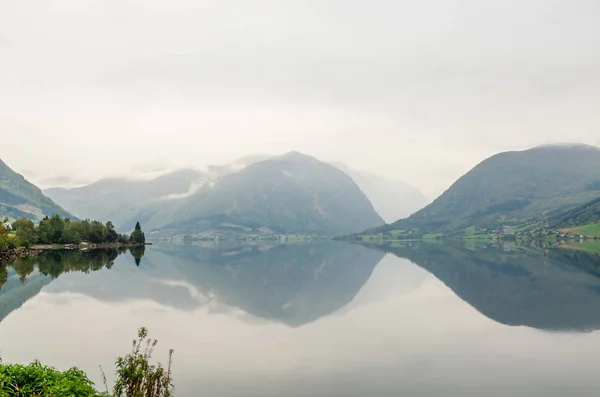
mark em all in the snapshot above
pixel 26 277
pixel 319 319
pixel 545 288
pixel 291 284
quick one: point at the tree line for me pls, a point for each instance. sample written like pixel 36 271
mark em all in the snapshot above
pixel 57 230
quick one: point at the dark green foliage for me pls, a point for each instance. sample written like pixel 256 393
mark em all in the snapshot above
pixel 97 233
pixel 511 188
pixel 69 236
pixel 111 234
pixel 137 253
pixel 15 192
pixel 56 230
pixel 3 238
pixel 137 236
pixel 25 230
pixel 36 379
pixel 136 377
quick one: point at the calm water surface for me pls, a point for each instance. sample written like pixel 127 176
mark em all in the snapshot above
pixel 325 319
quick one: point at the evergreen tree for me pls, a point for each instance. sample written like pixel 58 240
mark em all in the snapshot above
pixel 137 236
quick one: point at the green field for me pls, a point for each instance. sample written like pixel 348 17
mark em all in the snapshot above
pixel 591 230
pixel 587 246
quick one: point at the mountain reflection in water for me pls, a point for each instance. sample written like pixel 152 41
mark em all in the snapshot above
pixel 318 319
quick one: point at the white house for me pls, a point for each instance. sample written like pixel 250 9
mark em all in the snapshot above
pixel 7 225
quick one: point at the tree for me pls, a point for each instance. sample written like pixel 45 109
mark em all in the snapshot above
pixel 70 236
pixel 26 233
pixel 3 238
pixel 97 233
pixel 112 236
pixel 57 225
pixel 137 236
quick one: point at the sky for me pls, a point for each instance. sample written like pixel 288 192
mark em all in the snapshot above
pixel 417 91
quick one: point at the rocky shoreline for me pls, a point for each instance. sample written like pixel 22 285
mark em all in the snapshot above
pixel 18 253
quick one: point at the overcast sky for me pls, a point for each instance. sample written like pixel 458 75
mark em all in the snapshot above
pixel 417 90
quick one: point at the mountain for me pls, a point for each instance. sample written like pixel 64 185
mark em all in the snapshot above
pixel 19 198
pixel 512 188
pixel 392 199
pixel 120 200
pixel 551 289
pixel 293 193
pixel 124 201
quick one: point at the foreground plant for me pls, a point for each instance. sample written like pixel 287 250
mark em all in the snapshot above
pixel 137 377
pixel 36 379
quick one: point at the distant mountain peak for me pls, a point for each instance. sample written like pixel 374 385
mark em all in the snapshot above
pixel 295 155
pixel 512 189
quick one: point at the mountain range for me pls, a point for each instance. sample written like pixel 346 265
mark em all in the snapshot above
pixel 20 198
pixel 512 188
pixel 293 193
pixel 197 200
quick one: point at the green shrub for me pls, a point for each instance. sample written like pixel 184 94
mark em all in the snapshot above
pixel 36 379
pixel 25 244
pixel 136 377
pixel 12 244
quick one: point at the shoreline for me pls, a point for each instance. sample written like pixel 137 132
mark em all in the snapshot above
pixel 13 255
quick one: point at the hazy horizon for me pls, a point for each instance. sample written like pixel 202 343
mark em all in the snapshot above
pixel 418 92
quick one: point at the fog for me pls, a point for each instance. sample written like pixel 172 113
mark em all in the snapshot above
pixel 417 91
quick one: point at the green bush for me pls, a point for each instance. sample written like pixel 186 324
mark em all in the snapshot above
pixel 25 244
pixel 36 379
pixel 12 244
pixel 136 377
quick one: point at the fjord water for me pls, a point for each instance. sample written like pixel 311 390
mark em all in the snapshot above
pixel 321 319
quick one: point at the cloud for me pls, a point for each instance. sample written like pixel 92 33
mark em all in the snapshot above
pixel 420 91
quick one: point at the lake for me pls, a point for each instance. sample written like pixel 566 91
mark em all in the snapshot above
pixel 321 319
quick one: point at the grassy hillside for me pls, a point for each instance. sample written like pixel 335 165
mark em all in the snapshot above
pixel 20 198
pixel 590 230
pixel 588 213
pixel 512 188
